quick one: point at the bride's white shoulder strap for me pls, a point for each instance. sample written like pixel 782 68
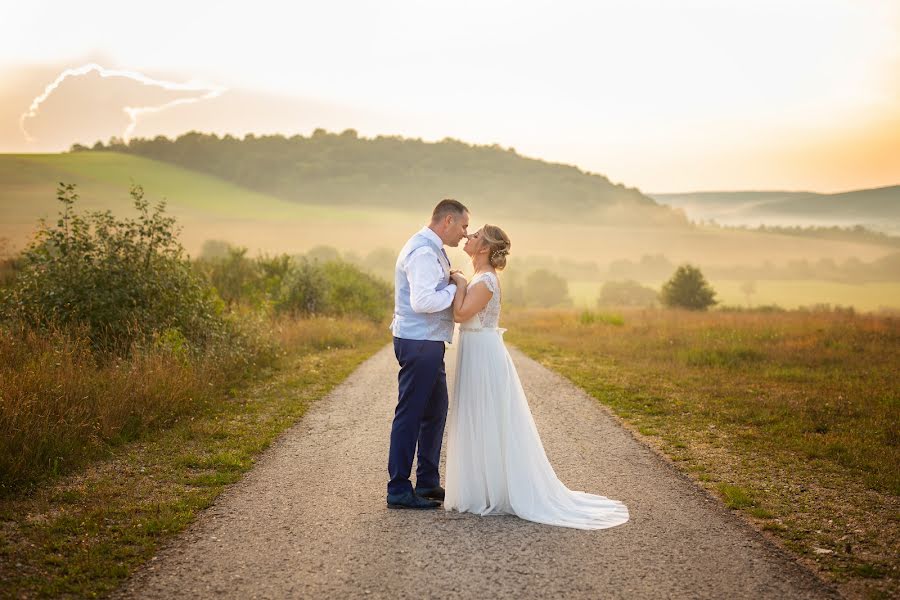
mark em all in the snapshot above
pixel 490 280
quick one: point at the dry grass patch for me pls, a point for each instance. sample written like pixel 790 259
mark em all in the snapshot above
pixel 792 418
pixel 81 534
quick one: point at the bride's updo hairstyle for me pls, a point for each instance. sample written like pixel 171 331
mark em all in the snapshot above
pixel 498 244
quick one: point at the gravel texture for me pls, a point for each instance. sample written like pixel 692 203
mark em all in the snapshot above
pixel 310 519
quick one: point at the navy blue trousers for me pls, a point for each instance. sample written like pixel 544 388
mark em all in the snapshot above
pixel 420 415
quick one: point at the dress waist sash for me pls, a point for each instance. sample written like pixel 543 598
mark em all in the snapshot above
pixel 483 329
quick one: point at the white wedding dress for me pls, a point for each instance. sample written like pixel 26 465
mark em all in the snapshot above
pixel 496 462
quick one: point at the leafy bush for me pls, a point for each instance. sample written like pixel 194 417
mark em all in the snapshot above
pixel 688 289
pixel 334 288
pixel 121 279
pixel 234 276
pixel 303 291
pixel 350 292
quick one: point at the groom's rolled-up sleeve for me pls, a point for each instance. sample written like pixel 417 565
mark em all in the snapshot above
pixel 425 274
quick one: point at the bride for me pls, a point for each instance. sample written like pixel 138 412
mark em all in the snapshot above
pixel 495 460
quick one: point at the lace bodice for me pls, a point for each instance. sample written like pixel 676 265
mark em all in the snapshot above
pixel 489 316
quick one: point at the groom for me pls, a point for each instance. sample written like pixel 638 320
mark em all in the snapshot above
pixel 423 321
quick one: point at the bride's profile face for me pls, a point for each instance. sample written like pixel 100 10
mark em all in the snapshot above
pixel 473 243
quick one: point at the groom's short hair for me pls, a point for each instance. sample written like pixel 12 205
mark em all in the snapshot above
pixel 448 206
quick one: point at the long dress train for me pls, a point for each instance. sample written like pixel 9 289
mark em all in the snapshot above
pixel 496 462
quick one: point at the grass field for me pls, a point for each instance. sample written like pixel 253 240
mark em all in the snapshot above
pixel 104 177
pixel 870 296
pixel 80 535
pixel 793 419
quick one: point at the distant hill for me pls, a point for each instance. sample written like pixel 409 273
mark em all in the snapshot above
pixel 877 208
pixel 877 203
pixel 407 174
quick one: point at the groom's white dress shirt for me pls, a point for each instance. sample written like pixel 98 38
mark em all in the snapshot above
pixel 424 272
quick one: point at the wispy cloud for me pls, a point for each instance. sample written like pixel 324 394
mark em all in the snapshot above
pixel 206 92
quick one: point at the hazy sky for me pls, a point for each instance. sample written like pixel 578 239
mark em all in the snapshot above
pixel 664 95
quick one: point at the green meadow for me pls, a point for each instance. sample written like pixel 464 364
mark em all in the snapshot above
pixel 207 207
pixel 103 179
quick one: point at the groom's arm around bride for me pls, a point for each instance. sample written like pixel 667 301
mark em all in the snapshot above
pixel 423 322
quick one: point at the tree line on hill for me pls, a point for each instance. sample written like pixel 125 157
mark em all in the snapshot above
pixel 399 173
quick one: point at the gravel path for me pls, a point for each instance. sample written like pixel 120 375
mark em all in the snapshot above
pixel 310 519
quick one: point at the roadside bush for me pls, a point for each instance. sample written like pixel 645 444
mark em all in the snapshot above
pixel 304 291
pixel 334 288
pixel 352 292
pixel 234 276
pixel 9 264
pixel 121 279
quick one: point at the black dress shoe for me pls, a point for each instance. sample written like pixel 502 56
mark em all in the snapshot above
pixel 410 500
pixel 435 493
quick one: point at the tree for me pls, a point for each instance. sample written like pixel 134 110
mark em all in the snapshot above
pixel 688 289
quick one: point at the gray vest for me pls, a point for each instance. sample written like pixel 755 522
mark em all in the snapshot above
pixel 409 324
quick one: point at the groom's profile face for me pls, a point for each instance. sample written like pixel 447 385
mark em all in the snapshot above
pixel 458 229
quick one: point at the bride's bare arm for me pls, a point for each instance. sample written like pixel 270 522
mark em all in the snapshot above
pixel 468 304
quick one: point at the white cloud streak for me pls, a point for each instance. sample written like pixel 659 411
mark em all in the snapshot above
pixel 133 112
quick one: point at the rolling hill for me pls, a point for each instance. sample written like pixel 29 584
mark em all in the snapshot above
pixel 877 208
pixel 407 174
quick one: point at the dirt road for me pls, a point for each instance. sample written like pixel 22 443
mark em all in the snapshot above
pixel 309 521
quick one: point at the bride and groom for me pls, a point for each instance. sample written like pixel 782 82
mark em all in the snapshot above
pixel 496 463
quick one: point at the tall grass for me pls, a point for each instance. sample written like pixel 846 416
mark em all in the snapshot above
pixel 80 535
pixel 816 383
pixel 61 403
pixel 792 417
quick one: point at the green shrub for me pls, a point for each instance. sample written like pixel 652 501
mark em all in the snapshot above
pixel 121 279
pixel 688 289
pixel 352 292
pixel 303 291
pixel 234 276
